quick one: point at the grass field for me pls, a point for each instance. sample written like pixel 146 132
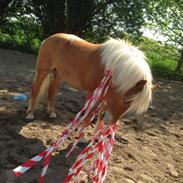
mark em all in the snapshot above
pixel 163 68
pixel 162 59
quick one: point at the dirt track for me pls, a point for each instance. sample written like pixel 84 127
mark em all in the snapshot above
pixel 154 153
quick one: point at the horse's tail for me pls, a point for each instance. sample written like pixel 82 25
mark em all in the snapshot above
pixel 41 97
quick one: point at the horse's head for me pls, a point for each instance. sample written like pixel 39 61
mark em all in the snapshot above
pixel 118 104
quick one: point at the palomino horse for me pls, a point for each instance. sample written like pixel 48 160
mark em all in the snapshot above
pixel 65 57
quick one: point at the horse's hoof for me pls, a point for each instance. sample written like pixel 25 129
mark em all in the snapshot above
pixel 52 115
pixel 29 117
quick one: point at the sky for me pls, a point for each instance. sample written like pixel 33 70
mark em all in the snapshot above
pixel 153 35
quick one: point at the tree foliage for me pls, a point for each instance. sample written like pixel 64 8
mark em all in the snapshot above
pixel 50 14
pixel 117 18
pixel 81 17
pixel 8 8
pixel 78 15
pixel 166 16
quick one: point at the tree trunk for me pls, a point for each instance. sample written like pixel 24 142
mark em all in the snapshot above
pixel 180 62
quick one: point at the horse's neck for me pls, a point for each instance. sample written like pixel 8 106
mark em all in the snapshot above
pixel 95 72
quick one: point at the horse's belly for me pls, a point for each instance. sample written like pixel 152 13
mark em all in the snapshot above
pixel 75 84
pixel 75 80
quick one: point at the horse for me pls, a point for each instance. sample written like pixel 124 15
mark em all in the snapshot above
pixel 82 64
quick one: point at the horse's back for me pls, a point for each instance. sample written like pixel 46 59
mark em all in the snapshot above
pixel 62 39
pixel 72 56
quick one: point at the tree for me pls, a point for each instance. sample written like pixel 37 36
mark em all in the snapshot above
pixel 8 8
pixel 166 16
pixel 118 18
pixel 50 14
pixel 80 17
pixel 94 18
pixel 60 15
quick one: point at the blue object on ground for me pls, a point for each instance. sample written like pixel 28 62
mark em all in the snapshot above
pixel 20 97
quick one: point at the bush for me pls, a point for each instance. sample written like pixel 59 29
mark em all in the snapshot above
pixel 20 34
pixel 162 59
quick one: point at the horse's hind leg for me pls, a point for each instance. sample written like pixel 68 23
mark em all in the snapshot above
pixel 38 80
pixel 51 93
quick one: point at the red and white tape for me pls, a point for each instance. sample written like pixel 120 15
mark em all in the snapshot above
pixel 103 150
pixel 30 163
pixel 100 91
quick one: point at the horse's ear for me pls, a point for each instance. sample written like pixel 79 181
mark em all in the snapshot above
pixel 140 84
pixel 137 88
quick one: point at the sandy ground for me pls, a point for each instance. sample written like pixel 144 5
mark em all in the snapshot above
pixel 154 153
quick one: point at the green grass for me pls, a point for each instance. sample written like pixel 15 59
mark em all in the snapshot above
pixel 163 67
pixel 162 59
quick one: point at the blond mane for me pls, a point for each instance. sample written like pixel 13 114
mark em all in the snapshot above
pixel 128 65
